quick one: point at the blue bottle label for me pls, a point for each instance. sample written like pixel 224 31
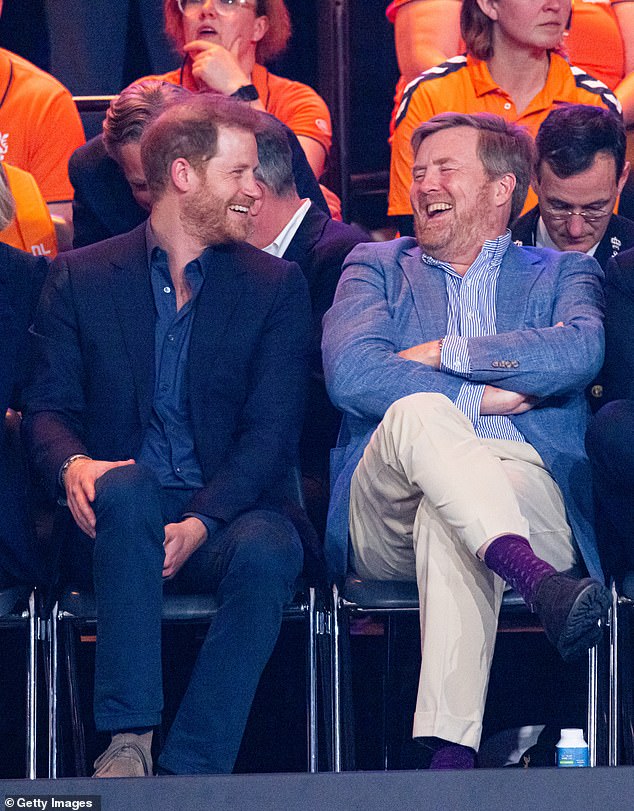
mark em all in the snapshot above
pixel 572 756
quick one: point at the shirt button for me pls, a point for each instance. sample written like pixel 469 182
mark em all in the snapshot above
pixel 178 470
pixel 167 289
pixel 507 106
pixel 170 337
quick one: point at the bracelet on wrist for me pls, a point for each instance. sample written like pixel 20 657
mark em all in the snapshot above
pixel 64 468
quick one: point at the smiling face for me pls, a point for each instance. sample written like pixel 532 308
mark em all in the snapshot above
pixel 536 24
pixel 217 211
pixel 241 23
pixel 592 191
pixel 129 159
pixel 456 206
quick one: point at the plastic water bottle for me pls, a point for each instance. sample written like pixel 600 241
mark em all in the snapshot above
pixel 572 750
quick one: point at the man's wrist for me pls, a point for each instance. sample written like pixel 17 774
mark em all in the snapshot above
pixel 64 468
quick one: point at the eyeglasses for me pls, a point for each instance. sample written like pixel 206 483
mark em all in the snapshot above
pixel 220 6
pixel 588 215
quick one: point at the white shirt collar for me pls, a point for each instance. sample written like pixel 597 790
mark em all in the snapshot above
pixel 283 239
pixel 543 240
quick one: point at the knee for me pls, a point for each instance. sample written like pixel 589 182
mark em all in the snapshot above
pixel 267 548
pixel 425 407
pixel 610 434
pixel 128 484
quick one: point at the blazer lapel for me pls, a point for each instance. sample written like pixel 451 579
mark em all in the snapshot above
pixel 134 303
pixel 429 293
pixel 217 302
pixel 309 232
pixel 518 273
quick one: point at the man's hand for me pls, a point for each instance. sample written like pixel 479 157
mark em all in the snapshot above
pixel 427 353
pixel 181 541
pixel 217 67
pixel 79 483
pixel 503 403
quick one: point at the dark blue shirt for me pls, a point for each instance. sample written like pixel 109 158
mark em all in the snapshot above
pixel 168 445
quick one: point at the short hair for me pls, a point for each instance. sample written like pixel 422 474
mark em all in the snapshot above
pixel 570 137
pixel 272 44
pixel 7 202
pixel 275 158
pixel 502 148
pixel 189 129
pixel 134 108
pixel 476 30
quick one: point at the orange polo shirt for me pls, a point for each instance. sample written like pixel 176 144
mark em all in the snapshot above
pixel 31 229
pixel 594 41
pixel 295 104
pixel 40 127
pixel 463 84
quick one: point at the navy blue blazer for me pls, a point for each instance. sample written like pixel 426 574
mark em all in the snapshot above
pixel 93 382
pixel 387 301
pixel 21 279
pixel 319 247
pixel 617 376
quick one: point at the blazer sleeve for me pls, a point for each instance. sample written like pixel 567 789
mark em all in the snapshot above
pixel 364 373
pixel 54 397
pixel 618 370
pixel 541 359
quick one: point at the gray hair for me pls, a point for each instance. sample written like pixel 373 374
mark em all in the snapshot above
pixel 503 148
pixel 275 158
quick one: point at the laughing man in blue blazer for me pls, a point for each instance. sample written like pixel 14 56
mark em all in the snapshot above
pixel 166 406
pixel 459 361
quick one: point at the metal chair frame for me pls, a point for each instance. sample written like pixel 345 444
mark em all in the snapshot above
pixel 407 603
pixel 620 602
pixel 10 598
pixel 76 610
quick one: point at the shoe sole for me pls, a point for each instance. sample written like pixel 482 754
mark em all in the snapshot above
pixel 583 628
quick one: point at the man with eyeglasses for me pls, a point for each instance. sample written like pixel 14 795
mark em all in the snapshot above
pixel 225 44
pixel 580 170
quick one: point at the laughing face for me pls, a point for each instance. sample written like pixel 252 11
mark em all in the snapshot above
pixel 219 210
pixel 454 201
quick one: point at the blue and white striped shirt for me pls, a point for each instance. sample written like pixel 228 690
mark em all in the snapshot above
pixel 470 313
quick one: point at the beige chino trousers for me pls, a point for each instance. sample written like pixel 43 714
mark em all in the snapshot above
pixel 427 494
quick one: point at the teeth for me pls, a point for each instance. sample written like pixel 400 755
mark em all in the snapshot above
pixel 433 207
pixel 241 209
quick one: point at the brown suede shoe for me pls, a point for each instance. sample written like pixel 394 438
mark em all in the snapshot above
pixel 572 612
pixel 129 755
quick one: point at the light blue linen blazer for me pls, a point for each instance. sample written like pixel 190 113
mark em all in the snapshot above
pixel 389 300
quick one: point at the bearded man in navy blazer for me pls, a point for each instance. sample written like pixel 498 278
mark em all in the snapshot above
pixel 166 406
pixel 460 360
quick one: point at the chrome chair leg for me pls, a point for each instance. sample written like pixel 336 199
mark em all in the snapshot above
pixel 52 691
pixel 31 692
pixel 336 681
pixel 593 704
pixel 613 711
pixel 313 739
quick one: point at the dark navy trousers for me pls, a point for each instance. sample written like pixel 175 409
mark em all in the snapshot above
pixel 610 445
pixel 251 565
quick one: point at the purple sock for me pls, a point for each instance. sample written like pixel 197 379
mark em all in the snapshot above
pixel 512 558
pixel 453 756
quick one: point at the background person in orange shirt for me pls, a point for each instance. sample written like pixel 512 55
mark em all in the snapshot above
pixel 600 40
pixel 511 69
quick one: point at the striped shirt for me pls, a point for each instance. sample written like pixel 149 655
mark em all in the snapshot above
pixel 471 313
